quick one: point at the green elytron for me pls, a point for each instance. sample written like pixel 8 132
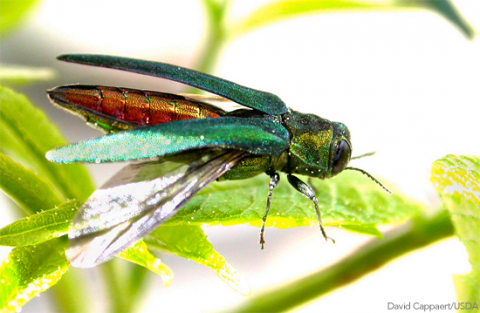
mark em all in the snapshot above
pixel 207 142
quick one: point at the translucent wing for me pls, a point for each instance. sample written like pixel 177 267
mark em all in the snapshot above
pixel 255 99
pixel 132 204
pixel 264 136
pixel 217 101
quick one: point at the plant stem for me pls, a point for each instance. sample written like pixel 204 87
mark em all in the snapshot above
pixel 422 232
pixel 124 285
pixel 65 294
pixel 138 277
pixel 116 294
pixel 215 13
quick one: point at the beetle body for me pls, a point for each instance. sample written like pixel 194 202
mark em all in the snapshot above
pixel 213 144
pixel 313 139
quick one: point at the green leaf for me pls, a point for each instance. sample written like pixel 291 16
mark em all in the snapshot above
pixel 191 242
pixel 466 287
pixel 13 12
pixel 22 75
pixel 140 255
pixel 40 227
pixel 365 229
pixel 30 270
pixel 285 9
pixel 457 180
pixel 444 8
pixel 350 199
pixel 25 187
pixel 420 232
pixel 27 135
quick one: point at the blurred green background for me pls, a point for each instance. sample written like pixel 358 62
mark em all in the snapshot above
pixel 404 81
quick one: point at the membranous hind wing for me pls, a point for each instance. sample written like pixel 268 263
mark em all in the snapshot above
pixel 255 99
pixel 129 207
pixel 133 203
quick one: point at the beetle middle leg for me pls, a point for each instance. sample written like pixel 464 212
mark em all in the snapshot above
pixel 308 192
pixel 274 180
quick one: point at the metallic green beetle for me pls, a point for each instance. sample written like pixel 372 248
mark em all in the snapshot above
pixel 209 142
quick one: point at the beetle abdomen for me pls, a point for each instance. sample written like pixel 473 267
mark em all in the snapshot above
pixel 133 106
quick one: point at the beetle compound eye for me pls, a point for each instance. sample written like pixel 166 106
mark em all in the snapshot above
pixel 341 157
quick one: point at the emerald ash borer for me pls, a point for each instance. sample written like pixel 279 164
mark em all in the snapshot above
pixel 263 137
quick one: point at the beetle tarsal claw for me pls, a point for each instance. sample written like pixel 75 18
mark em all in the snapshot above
pixel 274 180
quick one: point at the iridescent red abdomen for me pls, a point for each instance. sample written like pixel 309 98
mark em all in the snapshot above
pixel 136 107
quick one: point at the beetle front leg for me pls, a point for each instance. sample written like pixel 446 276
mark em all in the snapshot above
pixel 308 192
pixel 274 179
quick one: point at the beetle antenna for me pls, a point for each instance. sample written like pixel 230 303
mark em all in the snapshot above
pixel 363 155
pixel 371 177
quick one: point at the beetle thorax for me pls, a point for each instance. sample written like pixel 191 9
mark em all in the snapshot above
pixel 311 138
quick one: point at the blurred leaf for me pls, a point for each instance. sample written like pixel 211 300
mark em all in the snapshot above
pixel 191 242
pixel 350 199
pixel 466 287
pixel 457 180
pixel 444 8
pixel 21 75
pixel 27 135
pixel 24 186
pixel 285 9
pixel 30 270
pixel 40 227
pixel 13 12
pixel 140 255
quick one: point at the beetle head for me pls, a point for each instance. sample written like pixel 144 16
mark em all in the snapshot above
pixel 318 147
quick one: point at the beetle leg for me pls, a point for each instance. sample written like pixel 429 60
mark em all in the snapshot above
pixel 274 179
pixel 308 192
